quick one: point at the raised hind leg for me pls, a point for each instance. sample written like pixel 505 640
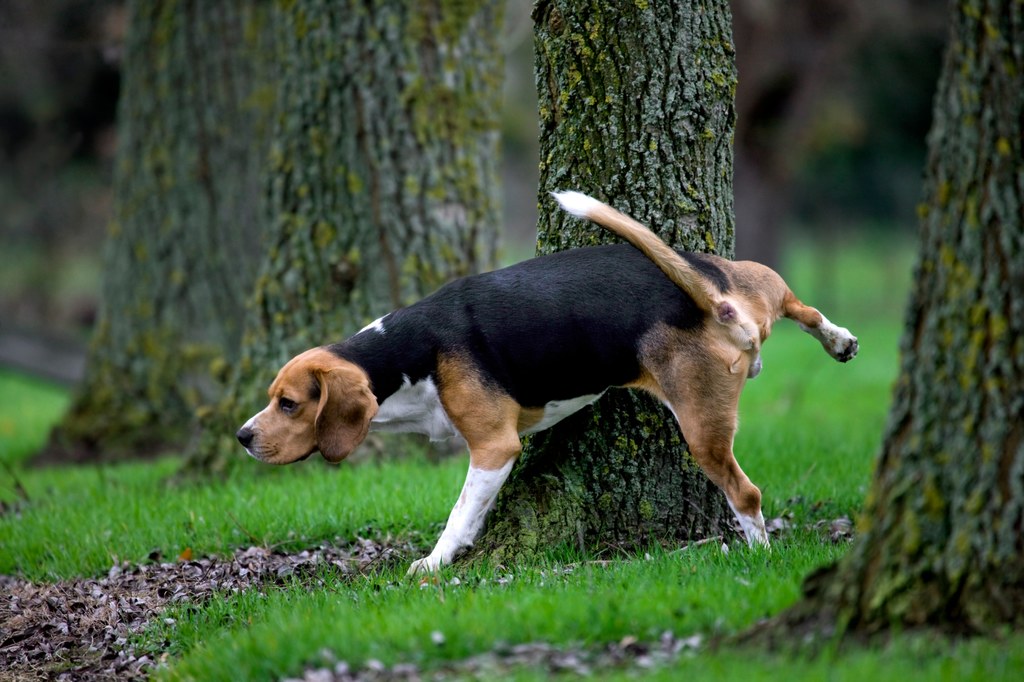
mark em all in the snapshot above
pixel 837 341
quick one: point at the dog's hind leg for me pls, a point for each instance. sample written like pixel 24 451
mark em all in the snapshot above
pixel 710 439
pixel 837 341
pixel 704 397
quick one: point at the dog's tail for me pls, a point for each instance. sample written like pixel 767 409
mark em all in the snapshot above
pixel 703 292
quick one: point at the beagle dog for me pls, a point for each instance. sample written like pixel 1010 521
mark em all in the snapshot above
pixel 496 356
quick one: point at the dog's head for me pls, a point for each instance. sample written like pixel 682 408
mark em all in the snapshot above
pixel 317 402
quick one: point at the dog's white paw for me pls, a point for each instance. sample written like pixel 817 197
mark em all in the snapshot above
pixel 754 530
pixel 428 564
pixel 837 341
pixel 840 344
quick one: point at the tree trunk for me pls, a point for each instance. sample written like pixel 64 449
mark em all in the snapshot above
pixel 636 107
pixel 384 178
pixel 179 257
pixel 942 538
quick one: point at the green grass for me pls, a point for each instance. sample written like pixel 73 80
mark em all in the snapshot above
pixel 809 433
pixel 809 426
pixel 127 511
pixel 910 657
pixel 31 408
pixel 391 619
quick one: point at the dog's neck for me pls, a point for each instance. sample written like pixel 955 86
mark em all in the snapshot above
pixel 373 357
pixel 389 357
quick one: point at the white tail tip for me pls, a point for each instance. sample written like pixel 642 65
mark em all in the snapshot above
pixel 576 203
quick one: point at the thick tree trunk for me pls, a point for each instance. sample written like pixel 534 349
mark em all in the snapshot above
pixel 384 179
pixel 636 107
pixel 180 258
pixel 942 538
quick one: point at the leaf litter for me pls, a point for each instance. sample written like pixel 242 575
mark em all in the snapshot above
pixel 505 659
pixel 84 629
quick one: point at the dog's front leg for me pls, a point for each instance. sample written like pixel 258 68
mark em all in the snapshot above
pixel 467 517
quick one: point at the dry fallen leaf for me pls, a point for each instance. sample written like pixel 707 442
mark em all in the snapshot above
pixel 86 626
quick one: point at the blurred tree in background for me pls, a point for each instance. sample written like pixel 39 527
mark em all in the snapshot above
pixel 941 542
pixel 180 255
pixel 59 81
pixel 383 178
pixel 378 184
pixel 636 107
pixel 833 102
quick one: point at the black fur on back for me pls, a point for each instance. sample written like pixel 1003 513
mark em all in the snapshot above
pixel 550 328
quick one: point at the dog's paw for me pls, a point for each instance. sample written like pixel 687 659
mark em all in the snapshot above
pixel 428 564
pixel 754 530
pixel 837 341
pixel 848 351
pixel 843 345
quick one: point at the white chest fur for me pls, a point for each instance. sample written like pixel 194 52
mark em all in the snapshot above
pixel 416 408
pixel 557 410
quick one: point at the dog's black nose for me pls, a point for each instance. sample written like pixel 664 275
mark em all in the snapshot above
pixel 244 436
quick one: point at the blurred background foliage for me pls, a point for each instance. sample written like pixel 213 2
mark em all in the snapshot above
pixel 833 102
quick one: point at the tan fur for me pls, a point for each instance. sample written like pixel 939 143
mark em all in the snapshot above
pixel 334 424
pixel 487 419
pixel 766 296
pixel 346 407
pixel 702 385
pixel 704 294
pixel 646 381
pixel 724 309
pixel 529 417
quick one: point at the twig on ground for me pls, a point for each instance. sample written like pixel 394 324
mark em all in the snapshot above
pixel 698 543
pixel 19 489
pixel 255 540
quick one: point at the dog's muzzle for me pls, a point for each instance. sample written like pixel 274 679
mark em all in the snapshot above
pixel 245 436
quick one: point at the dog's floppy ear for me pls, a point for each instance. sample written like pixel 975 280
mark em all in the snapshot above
pixel 346 407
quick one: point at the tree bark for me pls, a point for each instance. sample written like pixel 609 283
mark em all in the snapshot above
pixel 942 538
pixel 636 108
pixel 384 178
pixel 180 255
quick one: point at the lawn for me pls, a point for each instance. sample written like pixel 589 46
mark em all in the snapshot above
pixel 810 430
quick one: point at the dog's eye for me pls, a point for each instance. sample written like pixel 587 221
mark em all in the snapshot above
pixel 286 405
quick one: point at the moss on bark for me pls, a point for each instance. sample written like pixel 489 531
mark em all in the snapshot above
pixel 383 183
pixel 180 256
